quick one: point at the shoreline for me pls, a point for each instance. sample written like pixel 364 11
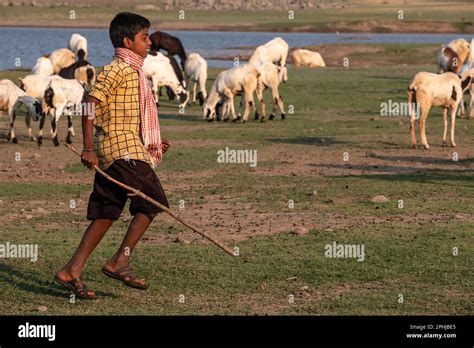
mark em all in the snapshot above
pixel 368 27
pixel 369 55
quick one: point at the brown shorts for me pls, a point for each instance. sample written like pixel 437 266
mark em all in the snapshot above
pixel 107 200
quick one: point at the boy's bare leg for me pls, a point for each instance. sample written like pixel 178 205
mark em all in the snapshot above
pixel 137 228
pixel 93 235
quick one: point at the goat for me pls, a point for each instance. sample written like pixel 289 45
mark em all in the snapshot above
pixel 196 72
pixel 427 90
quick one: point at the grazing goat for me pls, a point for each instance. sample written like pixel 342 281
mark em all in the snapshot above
pixel 78 44
pixel 196 73
pixel 269 78
pixel 11 99
pixel 172 45
pixel 162 72
pixel 81 70
pixel 274 51
pixel 61 58
pixel 310 59
pixel 228 84
pixel 60 96
pixel 43 67
pixel 453 56
pixel 427 90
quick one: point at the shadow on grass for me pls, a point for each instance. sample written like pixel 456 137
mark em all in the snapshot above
pixel 406 174
pixel 321 141
pixel 440 177
pixel 182 118
pixel 22 138
pixel 369 168
pixel 404 79
pixel 198 118
pixel 34 283
pixel 420 159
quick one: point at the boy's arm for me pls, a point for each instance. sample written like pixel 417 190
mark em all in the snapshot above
pixel 88 156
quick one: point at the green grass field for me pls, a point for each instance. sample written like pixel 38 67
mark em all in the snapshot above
pixel 408 251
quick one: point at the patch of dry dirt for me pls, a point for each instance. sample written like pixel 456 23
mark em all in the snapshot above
pixel 222 214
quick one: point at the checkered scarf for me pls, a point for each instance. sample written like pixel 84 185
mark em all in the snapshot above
pixel 149 124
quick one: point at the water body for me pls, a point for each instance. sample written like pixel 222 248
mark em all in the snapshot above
pixel 28 44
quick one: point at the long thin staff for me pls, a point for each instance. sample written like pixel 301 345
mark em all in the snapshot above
pixel 161 206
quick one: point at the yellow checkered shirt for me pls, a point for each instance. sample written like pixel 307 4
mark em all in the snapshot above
pixel 117 115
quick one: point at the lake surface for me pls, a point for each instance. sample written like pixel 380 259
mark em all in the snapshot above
pixel 28 44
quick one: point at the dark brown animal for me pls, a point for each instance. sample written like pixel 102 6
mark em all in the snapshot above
pixel 169 43
pixel 69 71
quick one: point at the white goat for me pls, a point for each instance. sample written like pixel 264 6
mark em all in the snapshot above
pixel 35 85
pixel 61 58
pixel 62 96
pixel 269 78
pixel 307 58
pixel 78 44
pixel 427 90
pixel 453 56
pixel 196 73
pixel 11 99
pixel 461 111
pixel 228 84
pixel 43 67
pixel 274 51
pixel 162 73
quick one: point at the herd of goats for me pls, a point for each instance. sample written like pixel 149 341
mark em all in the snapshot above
pixel 59 83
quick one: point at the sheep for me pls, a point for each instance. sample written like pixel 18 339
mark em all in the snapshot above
pixel 453 56
pixel 427 90
pixel 162 72
pixel 196 72
pixel 81 70
pixel 274 51
pixel 229 83
pixel 78 44
pixel 269 78
pixel 60 96
pixel 311 59
pixel 61 58
pixel 11 99
pixel 43 67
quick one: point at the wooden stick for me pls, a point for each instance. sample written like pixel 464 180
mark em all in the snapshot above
pixel 136 192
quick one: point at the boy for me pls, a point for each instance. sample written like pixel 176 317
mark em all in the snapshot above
pixel 125 143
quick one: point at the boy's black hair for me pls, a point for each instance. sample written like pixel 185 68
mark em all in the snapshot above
pixel 126 24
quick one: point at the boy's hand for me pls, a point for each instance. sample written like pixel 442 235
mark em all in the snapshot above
pixel 89 159
pixel 165 145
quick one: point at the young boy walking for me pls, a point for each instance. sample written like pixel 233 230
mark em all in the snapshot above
pixel 125 144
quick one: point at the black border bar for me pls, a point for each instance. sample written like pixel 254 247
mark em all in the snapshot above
pixel 345 330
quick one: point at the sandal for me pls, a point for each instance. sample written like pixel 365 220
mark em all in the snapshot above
pixel 78 287
pixel 126 276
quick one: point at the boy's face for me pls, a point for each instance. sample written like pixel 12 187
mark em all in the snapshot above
pixel 140 45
